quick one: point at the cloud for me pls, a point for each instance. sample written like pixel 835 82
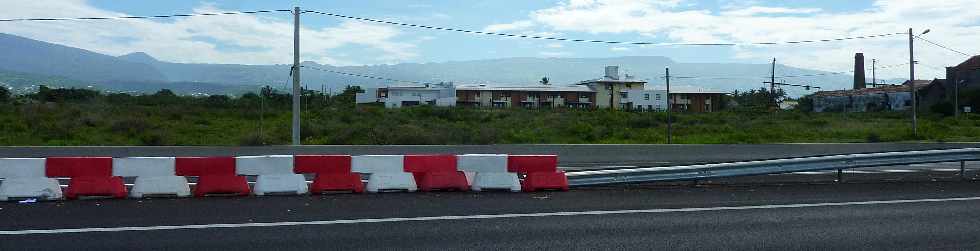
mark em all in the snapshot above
pixel 619 49
pixel 244 39
pixel 519 25
pixel 555 45
pixel 748 21
pixel 554 54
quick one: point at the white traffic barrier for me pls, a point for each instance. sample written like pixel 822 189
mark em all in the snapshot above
pixel 25 178
pixel 387 172
pixel 491 172
pixel 154 176
pixel 275 174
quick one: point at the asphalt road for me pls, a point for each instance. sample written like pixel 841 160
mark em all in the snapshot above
pixel 569 155
pixel 775 216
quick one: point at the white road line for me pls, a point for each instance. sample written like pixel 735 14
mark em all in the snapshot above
pixel 859 172
pixel 473 217
pixel 814 173
pixel 946 170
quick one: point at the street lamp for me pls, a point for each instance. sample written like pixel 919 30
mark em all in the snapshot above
pixel 914 92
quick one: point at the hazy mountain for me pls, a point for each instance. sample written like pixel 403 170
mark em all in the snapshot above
pixel 18 54
pixel 139 71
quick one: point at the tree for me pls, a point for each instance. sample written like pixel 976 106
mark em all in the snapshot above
pixel 545 81
pixel 4 94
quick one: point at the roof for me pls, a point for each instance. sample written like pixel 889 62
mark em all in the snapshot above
pixel 971 63
pixel 690 89
pixel 607 80
pixel 534 88
pixel 920 84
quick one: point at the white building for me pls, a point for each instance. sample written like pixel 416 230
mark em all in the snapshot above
pixel 643 100
pixel 442 94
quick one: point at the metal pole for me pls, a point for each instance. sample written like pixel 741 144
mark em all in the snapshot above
pixel 669 107
pixel 840 175
pixel 962 169
pixel 915 122
pixel 956 95
pixel 296 88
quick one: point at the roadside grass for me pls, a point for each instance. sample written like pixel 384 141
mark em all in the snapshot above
pixel 176 123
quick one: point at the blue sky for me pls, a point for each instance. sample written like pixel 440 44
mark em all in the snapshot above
pixel 266 38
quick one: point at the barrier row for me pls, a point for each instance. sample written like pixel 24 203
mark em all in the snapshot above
pixel 275 174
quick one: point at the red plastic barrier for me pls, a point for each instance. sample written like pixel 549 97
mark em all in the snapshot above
pixel 90 176
pixel 532 163
pixel 216 175
pixel 544 181
pixel 541 172
pixel 435 172
pixel 333 173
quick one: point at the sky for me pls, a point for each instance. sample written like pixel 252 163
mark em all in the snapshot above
pixel 267 38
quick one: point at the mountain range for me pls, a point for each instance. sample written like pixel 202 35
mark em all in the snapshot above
pixel 35 62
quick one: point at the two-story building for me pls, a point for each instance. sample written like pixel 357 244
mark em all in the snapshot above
pixel 442 94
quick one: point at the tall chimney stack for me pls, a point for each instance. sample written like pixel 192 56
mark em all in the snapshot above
pixel 859 81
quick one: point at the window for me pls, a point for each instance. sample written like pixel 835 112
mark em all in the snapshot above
pixel 584 96
pixel 629 86
pixel 658 96
pixel 623 95
pixel 647 96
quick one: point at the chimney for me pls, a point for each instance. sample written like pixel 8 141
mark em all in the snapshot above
pixel 859 81
pixel 612 72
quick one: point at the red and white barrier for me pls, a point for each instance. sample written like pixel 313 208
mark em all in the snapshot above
pixel 333 173
pixel 154 176
pixel 275 174
pixel 490 172
pixel 541 172
pixel 24 178
pixel 90 176
pixel 215 175
pixel 436 172
pixel 387 172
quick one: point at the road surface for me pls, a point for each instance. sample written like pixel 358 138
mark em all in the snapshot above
pixel 778 216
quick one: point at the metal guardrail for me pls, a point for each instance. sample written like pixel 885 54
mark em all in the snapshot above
pixel 775 166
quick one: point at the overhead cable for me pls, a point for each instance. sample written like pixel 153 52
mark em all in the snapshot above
pixel 142 17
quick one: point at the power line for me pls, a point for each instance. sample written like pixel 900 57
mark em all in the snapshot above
pixel 142 17
pixel 594 41
pixel 944 47
pixel 360 75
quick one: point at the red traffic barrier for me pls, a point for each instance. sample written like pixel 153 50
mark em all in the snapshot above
pixel 436 172
pixel 90 176
pixel 333 173
pixel 541 172
pixel 216 175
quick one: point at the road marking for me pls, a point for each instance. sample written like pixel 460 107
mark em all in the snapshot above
pixel 473 217
pixel 814 173
pixel 946 170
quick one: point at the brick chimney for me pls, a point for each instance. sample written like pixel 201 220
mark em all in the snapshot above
pixel 859 81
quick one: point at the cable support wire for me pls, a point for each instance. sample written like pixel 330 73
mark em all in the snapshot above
pixel 943 46
pixel 594 41
pixel 142 17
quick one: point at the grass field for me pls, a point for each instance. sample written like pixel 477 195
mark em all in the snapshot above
pixel 223 121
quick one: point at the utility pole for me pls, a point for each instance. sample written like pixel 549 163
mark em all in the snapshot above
pixel 296 88
pixel 669 107
pixel 915 123
pixel 772 84
pixel 874 79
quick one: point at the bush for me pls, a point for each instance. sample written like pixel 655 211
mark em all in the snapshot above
pixel 944 108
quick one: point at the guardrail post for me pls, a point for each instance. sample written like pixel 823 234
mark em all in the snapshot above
pixel 963 170
pixel 840 175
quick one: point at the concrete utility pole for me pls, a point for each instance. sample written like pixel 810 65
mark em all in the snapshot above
pixel 296 88
pixel 874 78
pixel 915 123
pixel 669 107
pixel 772 84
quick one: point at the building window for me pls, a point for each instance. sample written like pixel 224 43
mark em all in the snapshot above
pixel 647 96
pixel 658 96
pixel 623 95
pixel 584 96
pixel 629 86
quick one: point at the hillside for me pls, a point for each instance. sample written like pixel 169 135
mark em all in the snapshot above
pixel 41 58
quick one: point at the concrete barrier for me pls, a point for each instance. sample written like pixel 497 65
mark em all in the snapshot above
pixel 90 176
pixel 154 176
pixel 387 172
pixel 24 178
pixel 275 174
pixel 489 172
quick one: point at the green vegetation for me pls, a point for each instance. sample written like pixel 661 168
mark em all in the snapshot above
pixel 85 117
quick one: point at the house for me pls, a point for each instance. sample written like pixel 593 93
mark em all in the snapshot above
pixel 695 99
pixel 891 98
pixel 965 76
pixel 442 94
pixel 609 92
